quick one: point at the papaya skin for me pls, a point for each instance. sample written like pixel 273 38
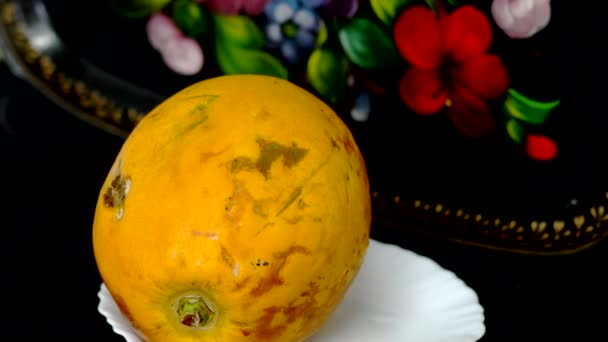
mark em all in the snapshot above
pixel 237 210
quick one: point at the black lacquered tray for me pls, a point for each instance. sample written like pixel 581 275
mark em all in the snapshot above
pixel 512 160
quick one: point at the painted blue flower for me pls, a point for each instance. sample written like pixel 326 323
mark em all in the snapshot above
pixel 293 26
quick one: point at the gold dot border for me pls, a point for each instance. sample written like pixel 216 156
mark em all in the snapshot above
pixel 560 235
pixel 75 92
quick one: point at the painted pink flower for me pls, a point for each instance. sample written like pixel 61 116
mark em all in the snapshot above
pixel 521 18
pixel 232 7
pixel 181 54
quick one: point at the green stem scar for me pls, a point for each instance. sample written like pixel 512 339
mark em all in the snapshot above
pixel 194 311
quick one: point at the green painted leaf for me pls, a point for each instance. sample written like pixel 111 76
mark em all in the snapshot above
pixel 526 109
pixel 455 3
pixel 367 45
pixel 137 8
pixel 238 30
pixel 190 17
pixel 432 4
pixel 322 36
pixel 148 3
pixel 516 131
pixel 387 10
pixel 240 60
pixel 327 71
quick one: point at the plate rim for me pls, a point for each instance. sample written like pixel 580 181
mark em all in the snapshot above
pixel 108 308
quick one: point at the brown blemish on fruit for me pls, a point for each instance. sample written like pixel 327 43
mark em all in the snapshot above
pixel 204 97
pixel 264 227
pixel 292 155
pixel 245 332
pixel 292 197
pixel 122 306
pixel 238 323
pixel 349 146
pixel 116 193
pixel 227 257
pixel 229 204
pixel 294 311
pixel 266 285
pixel 263 115
pixel 191 126
pixel 346 273
pixel 306 309
pixel 298 190
pixel 208 155
pixel 197 115
pixel 273 278
pixel 260 208
pixel 334 143
pixel 261 262
pixel 238 203
pixel 241 284
pixel 182 261
pixel 241 163
pixel 313 290
pixel 362 167
pixel 270 151
pixel 368 215
pixel 264 329
pixel 302 204
pixel 294 220
pixel 208 235
pixel 153 114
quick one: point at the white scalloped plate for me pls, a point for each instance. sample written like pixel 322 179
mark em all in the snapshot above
pixel 397 296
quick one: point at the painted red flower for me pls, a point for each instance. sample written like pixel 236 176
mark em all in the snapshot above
pixel 450 66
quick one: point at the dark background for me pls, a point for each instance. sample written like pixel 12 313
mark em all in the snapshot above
pixel 53 165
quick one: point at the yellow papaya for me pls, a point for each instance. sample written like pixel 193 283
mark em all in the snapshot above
pixel 237 210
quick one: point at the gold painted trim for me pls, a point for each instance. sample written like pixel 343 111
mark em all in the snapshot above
pixel 540 236
pixel 103 111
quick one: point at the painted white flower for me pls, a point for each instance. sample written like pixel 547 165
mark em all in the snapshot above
pixel 521 18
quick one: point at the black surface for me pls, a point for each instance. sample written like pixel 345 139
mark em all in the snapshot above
pixel 52 166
